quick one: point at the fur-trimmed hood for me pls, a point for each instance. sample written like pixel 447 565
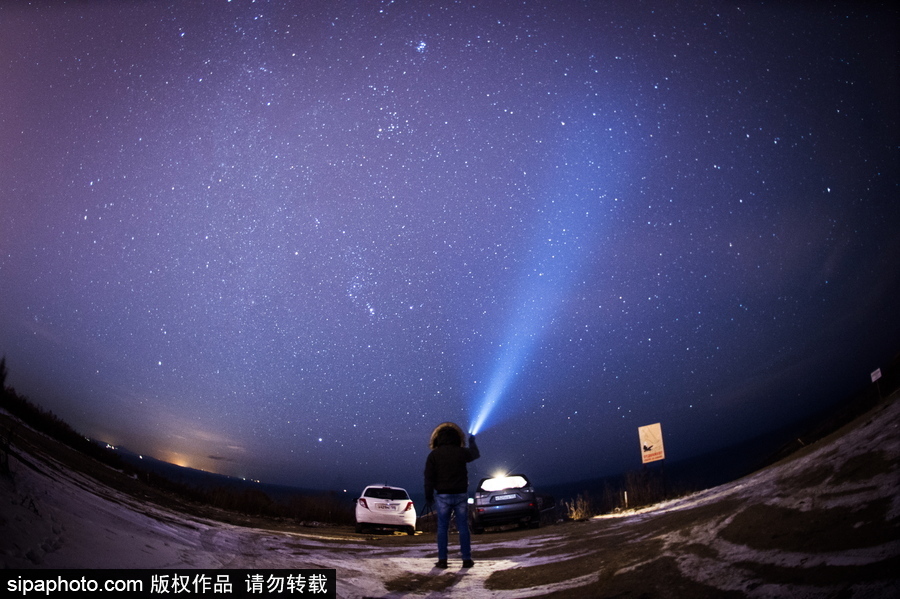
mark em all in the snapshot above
pixel 446 425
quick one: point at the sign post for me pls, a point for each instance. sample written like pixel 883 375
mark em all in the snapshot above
pixel 875 375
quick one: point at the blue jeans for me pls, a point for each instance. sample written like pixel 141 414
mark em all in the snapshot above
pixel 458 505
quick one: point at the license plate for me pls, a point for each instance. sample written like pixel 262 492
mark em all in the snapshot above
pixel 385 506
pixel 504 497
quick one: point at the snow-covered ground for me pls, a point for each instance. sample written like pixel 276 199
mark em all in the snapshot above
pixel 822 523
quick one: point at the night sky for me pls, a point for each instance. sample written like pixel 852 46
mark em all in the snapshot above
pixel 284 240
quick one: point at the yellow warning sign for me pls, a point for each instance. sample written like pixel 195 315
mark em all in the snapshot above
pixel 651 443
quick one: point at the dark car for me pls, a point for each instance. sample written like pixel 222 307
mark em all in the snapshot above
pixel 505 500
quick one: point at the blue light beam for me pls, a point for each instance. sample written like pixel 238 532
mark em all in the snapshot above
pixel 558 257
pixel 508 367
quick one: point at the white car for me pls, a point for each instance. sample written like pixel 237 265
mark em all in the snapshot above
pixel 385 507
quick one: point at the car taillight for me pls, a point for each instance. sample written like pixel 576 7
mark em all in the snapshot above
pixel 408 506
pixel 362 502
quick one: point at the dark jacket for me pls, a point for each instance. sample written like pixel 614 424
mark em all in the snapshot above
pixel 445 467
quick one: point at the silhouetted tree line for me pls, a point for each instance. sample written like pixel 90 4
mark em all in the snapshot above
pixel 326 508
pixel 636 488
pixel 6 433
pixel 51 425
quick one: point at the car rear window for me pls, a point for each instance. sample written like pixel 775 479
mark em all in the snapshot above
pixel 504 482
pixel 381 493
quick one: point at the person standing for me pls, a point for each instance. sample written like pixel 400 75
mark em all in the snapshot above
pixel 447 485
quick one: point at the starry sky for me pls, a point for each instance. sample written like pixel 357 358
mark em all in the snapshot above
pixel 284 240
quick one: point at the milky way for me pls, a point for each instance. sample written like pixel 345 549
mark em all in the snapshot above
pixel 285 240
